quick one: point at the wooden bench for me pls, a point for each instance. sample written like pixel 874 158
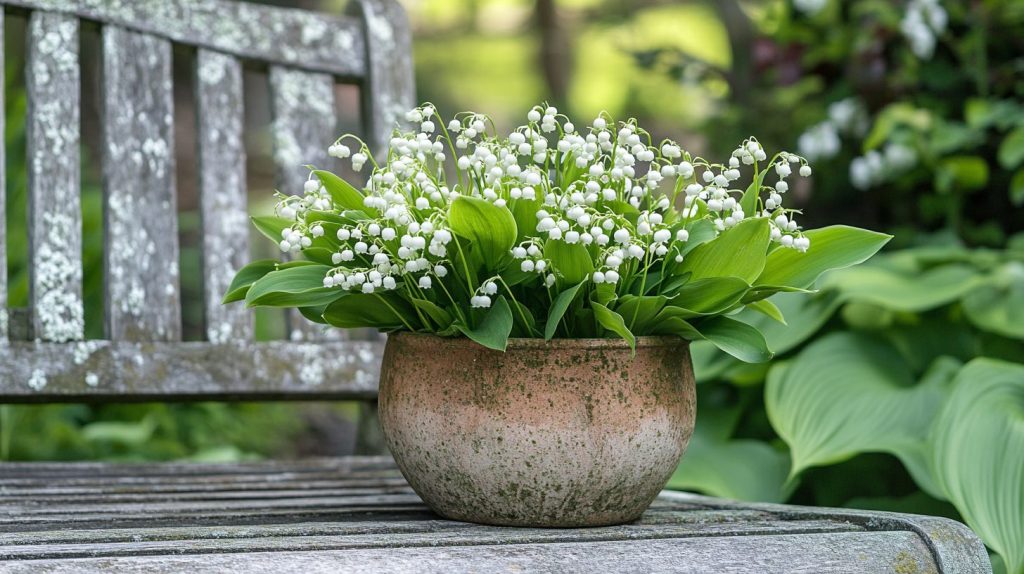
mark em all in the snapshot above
pixel 332 515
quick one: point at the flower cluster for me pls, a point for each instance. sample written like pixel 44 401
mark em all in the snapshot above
pixel 460 227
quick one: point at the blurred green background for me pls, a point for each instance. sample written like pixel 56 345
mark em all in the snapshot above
pixel 912 113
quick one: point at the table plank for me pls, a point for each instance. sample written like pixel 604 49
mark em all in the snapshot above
pixel 358 514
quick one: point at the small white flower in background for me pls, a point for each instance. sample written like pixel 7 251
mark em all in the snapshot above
pixel 923 21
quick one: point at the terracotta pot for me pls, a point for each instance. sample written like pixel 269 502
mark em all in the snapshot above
pixel 553 434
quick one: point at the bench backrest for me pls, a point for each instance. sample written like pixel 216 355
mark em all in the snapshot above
pixel 142 357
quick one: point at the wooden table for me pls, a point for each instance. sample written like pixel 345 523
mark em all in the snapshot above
pixel 359 515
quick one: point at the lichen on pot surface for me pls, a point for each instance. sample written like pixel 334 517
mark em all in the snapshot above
pixel 558 434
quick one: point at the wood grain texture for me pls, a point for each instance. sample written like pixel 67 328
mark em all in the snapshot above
pixel 222 191
pixel 141 222
pixel 356 514
pixel 303 126
pixel 389 88
pixel 52 77
pixel 314 41
pixel 126 371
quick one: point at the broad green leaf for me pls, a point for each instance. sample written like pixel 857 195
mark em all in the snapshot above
pixel 737 252
pixel 805 315
pixel 271 226
pixel 741 469
pixel 439 316
pixel 904 291
pixel 998 306
pixel 613 322
pixel 342 193
pixel 384 311
pixel 717 465
pixel 736 338
pixel 710 295
pixel 314 314
pixel 849 393
pixel 558 308
pixel 1017 188
pixel 525 213
pixel 671 321
pixel 768 309
pixel 1011 150
pixel 701 231
pixel 976 445
pixel 831 247
pixel 491 229
pixel 749 200
pixel 301 286
pixel 570 261
pixel 245 277
pixel 639 312
pixel 494 329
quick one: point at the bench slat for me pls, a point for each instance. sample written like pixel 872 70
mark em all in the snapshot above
pixel 310 40
pixel 4 313
pixel 141 231
pixel 389 91
pixel 94 371
pixel 303 125
pixel 222 191
pixel 55 218
pixel 359 526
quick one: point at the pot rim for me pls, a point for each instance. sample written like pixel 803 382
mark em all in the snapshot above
pixel 523 343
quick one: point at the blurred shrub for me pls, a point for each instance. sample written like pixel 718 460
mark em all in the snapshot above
pixel 911 110
pixel 919 355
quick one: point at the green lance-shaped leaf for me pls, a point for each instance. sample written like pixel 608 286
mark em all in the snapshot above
pixel 805 315
pixel 342 193
pixel 613 322
pixel 736 338
pixel 904 290
pixel 768 309
pixel 710 295
pixel 832 247
pixel 271 226
pixel 491 229
pixel 738 252
pixel 849 393
pixel 558 308
pixel 571 261
pixel 441 317
pixel 246 276
pixel 298 286
pixel 385 311
pixel 493 331
pixel 977 445
pixel 640 312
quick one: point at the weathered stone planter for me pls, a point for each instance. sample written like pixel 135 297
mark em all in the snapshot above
pixel 561 434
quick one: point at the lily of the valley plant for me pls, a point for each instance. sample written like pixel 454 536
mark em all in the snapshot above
pixel 549 231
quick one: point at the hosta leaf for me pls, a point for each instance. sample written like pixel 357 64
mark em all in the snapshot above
pixel 977 445
pixel 493 331
pixel 342 193
pixel 300 286
pixel 832 247
pixel 490 228
pixel 737 252
pixel 570 261
pixel 804 314
pixel 613 322
pixel 558 308
pixel 717 465
pixel 736 338
pixel 910 291
pixel 849 393
pixel 271 226
pixel 998 307
pixel 245 277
